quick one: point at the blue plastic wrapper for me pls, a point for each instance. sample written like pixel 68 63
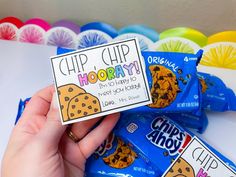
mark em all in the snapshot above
pixel 116 158
pixel 63 50
pixel 21 108
pixel 157 138
pixel 192 121
pixel 173 82
pixel 215 94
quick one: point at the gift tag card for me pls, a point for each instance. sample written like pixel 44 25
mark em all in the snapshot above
pixel 100 80
pixel 198 161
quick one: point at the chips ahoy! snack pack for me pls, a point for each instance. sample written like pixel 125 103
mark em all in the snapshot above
pixel 173 82
pixel 216 96
pixel 157 139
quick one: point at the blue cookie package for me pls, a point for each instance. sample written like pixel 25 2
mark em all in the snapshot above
pixel 157 138
pixel 21 108
pixel 61 50
pixel 215 94
pixel 196 122
pixel 116 158
pixel 173 82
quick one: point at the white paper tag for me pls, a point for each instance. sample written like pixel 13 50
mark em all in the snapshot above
pixel 198 161
pixel 100 80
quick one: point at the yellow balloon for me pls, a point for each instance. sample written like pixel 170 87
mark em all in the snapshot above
pixel 225 36
pixel 220 54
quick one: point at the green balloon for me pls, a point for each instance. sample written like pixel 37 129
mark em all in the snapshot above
pixel 188 33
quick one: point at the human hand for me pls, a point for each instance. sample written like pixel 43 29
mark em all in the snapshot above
pixel 40 147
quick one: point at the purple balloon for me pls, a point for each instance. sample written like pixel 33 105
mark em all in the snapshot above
pixel 68 24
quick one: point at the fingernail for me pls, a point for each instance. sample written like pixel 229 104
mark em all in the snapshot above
pixel 54 102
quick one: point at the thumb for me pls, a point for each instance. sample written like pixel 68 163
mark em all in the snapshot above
pixel 53 129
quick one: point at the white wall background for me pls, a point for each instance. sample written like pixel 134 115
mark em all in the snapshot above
pixel 208 16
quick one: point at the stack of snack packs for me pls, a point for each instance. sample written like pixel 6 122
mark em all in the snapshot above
pixel 147 145
pixel 175 88
pixel 164 138
pixel 148 140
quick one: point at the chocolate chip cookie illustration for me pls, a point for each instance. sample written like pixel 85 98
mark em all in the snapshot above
pixel 83 105
pixel 164 86
pixel 181 168
pixel 123 157
pixel 66 93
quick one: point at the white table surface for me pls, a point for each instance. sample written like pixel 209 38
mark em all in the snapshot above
pixel 26 68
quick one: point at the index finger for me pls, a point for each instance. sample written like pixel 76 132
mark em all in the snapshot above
pixel 95 138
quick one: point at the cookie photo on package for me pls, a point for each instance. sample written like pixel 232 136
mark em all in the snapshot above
pixel 114 157
pixel 100 80
pixel 172 81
